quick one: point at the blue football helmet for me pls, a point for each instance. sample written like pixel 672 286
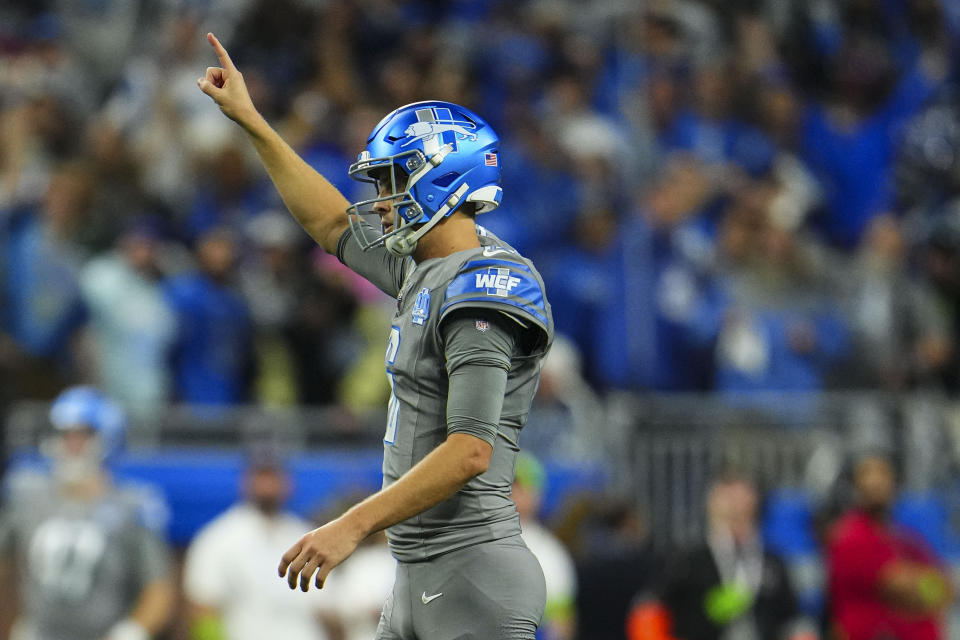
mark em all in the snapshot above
pixel 86 407
pixel 434 156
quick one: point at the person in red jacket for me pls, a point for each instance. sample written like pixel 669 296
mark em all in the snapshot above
pixel 883 582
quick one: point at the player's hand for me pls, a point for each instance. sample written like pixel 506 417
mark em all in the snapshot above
pixel 319 551
pixel 226 86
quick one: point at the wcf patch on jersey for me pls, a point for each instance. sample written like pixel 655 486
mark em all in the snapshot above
pixel 497 281
pixel 421 307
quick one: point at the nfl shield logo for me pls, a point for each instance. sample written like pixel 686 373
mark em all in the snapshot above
pixel 482 326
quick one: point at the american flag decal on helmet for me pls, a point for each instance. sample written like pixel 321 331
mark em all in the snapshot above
pixel 490 159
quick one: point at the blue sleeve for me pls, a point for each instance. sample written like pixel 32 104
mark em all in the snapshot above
pixel 913 90
pixel 510 287
pixel 833 337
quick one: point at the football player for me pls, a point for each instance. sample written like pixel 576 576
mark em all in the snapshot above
pixel 463 359
pixel 90 562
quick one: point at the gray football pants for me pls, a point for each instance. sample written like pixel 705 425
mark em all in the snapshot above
pixel 490 591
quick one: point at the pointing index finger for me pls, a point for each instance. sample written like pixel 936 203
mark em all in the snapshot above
pixel 222 54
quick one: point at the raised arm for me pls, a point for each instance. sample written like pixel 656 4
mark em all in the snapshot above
pixel 314 202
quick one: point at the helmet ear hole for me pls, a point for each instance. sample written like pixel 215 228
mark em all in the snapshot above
pixel 446 179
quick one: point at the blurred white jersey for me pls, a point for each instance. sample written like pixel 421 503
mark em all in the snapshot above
pixel 231 566
pixel 558 568
pixel 358 589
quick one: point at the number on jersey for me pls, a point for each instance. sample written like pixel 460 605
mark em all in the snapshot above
pixel 393 407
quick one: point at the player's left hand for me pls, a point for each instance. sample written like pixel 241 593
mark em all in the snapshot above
pixel 318 551
pixel 226 86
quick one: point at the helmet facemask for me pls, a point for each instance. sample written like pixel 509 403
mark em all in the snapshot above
pixel 77 454
pixel 379 172
pixel 88 429
pixel 402 171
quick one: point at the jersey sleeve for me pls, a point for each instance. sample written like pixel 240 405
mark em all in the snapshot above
pixel 477 346
pixel 385 270
pixel 509 287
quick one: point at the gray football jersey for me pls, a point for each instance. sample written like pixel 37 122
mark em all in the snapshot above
pixel 82 565
pixel 491 277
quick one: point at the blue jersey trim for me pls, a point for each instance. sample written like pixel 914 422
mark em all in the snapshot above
pixel 498 281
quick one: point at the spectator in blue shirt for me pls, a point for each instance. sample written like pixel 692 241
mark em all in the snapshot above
pixel 212 356
pixel 849 142
pixel 578 281
pixel 710 131
pixel 41 308
pixel 544 192
pixel 233 197
pixel 655 329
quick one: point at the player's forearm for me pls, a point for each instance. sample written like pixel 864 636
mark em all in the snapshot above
pixel 155 606
pixel 315 203
pixel 915 586
pixel 431 481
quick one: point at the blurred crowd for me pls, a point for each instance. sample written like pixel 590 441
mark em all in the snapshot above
pixel 88 553
pixel 732 196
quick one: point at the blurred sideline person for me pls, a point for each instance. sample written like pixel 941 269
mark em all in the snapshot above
pixel 559 616
pixel 41 308
pixel 131 323
pixel 728 587
pixel 89 561
pixel 463 358
pixel 364 582
pixel 615 560
pixel 227 567
pixel 212 353
pixel 882 582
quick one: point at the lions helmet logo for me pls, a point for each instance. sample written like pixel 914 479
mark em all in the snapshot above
pixel 436 126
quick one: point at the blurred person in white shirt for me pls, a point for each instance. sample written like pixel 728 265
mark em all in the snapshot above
pixel 358 589
pixel 559 616
pixel 229 596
